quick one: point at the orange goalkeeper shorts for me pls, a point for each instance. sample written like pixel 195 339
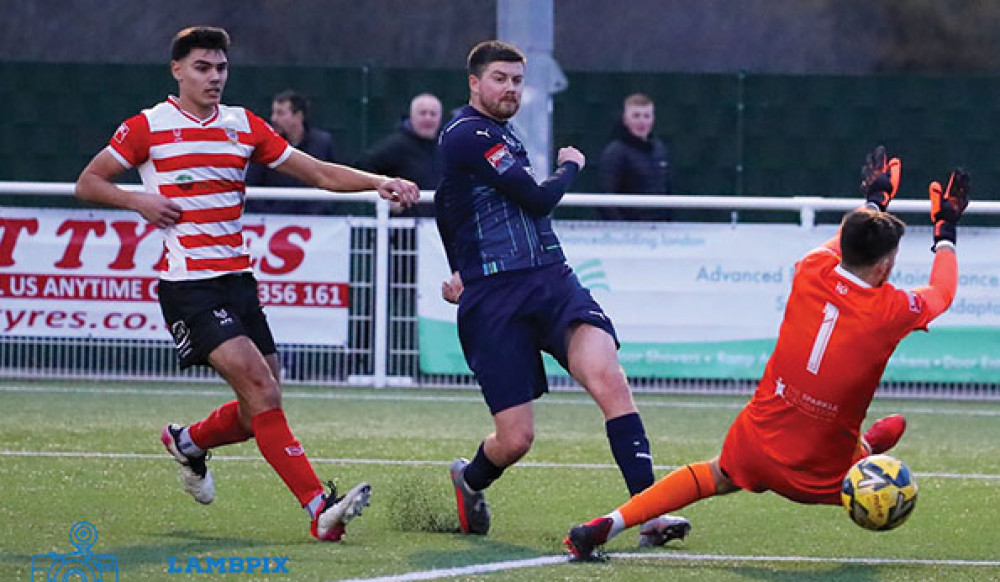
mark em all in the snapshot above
pixel 751 468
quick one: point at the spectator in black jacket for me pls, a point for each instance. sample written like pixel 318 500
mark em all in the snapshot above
pixel 289 117
pixel 411 151
pixel 636 162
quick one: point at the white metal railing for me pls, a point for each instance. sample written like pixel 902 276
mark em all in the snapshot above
pixel 807 208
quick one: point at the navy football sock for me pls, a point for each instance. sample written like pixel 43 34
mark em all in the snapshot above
pixel 630 447
pixel 481 471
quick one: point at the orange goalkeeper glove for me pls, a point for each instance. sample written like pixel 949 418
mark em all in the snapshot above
pixel 880 178
pixel 947 205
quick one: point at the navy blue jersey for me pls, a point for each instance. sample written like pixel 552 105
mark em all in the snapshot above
pixel 492 215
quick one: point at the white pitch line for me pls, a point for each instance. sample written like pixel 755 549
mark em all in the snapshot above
pixel 399 462
pixel 809 560
pixel 415 397
pixel 490 567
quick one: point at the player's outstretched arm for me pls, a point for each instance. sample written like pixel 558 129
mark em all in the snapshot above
pixel 339 178
pixel 947 206
pixel 95 185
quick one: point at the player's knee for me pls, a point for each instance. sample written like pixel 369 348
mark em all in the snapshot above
pixel 518 444
pixel 261 392
pixel 609 379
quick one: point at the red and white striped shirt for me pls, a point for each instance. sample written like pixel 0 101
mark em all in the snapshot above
pixel 200 165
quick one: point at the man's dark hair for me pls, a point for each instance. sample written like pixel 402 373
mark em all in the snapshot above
pixel 295 101
pixel 203 37
pixel 491 51
pixel 868 235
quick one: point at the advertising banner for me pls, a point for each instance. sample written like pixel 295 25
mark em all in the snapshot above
pixel 93 273
pixel 706 300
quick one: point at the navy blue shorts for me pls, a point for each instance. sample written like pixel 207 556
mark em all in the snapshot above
pixel 203 313
pixel 506 320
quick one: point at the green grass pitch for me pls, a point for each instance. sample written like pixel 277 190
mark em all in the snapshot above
pixel 73 452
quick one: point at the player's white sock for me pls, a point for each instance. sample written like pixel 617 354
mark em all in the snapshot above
pixel 313 506
pixel 617 523
pixel 187 446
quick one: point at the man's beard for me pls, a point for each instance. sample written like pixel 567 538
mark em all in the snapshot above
pixel 504 109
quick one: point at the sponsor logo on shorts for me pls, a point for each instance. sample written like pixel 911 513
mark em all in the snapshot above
pixel 223 316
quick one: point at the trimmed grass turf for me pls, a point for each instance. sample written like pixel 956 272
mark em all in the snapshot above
pixel 144 518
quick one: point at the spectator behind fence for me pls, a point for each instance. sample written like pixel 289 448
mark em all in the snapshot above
pixel 411 151
pixel 290 118
pixel 636 161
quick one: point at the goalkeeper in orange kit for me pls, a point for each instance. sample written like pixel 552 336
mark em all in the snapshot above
pixel 800 432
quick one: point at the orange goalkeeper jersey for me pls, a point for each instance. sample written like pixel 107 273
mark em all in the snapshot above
pixel 837 335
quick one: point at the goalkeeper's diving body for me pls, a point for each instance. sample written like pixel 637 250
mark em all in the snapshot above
pixel 800 432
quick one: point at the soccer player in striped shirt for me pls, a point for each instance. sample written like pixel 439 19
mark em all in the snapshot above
pixel 800 433
pixel 192 152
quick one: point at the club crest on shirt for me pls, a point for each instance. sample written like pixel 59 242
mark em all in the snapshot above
pixel 120 133
pixel 178 135
pixel 232 135
pixel 914 303
pixel 500 158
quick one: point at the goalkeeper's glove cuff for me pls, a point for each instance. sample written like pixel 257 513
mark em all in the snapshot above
pixel 945 230
pixel 943 244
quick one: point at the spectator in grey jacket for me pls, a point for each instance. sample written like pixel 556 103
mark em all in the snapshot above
pixel 636 161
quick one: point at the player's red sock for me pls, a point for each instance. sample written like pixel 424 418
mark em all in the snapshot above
pixel 222 427
pixel 885 433
pixel 284 453
pixel 680 488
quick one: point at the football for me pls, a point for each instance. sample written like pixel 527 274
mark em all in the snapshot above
pixel 879 492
